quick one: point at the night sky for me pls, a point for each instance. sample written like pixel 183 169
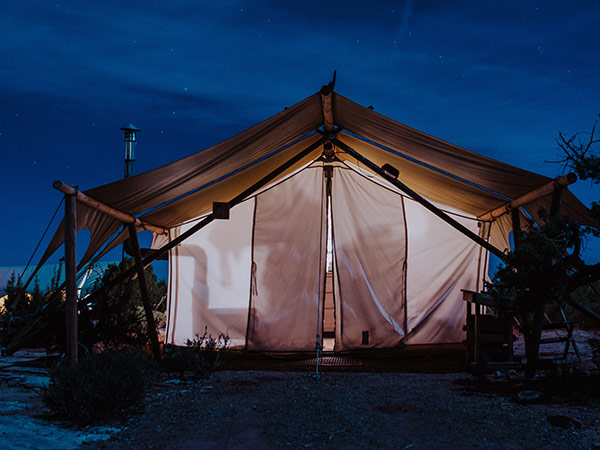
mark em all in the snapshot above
pixel 499 78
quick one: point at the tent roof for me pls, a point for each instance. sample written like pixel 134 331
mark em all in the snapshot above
pixel 185 189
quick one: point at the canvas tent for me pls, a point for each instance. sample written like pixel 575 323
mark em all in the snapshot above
pixel 307 197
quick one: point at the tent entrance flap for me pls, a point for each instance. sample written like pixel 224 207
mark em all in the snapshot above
pixel 369 241
pixel 288 259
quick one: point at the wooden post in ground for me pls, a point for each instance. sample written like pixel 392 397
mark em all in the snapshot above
pixel 71 279
pixel 557 195
pixel 139 265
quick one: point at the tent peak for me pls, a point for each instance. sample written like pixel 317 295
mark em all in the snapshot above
pixel 329 87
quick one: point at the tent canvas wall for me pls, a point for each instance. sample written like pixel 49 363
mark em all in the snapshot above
pixel 397 268
pixel 259 276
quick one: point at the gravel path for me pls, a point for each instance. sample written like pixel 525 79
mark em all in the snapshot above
pixel 261 410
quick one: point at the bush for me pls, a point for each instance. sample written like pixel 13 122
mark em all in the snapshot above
pixel 100 385
pixel 201 356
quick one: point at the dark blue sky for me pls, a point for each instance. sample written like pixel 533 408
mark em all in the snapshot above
pixel 499 78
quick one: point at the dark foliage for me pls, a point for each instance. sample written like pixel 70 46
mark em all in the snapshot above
pixel 200 357
pixel 538 270
pixel 99 386
pixel 20 307
pixel 115 318
pixel 536 274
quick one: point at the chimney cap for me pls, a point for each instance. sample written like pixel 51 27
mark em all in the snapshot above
pixel 130 127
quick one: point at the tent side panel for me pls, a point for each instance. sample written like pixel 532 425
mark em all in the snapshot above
pixel 210 280
pixel 288 255
pixel 441 262
pixel 369 244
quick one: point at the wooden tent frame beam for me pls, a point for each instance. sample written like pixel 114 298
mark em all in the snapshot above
pixel 104 208
pixel 548 188
pixel 327 107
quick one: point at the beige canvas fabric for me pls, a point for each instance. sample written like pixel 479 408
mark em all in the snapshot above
pixel 487 172
pixel 288 254
pixel 201 202
pixel 432 185
pixel 441 261
pixel 369 242
pixel 209 280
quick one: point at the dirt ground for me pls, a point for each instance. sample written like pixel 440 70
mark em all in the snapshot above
pixel 260 410
pixel 251 409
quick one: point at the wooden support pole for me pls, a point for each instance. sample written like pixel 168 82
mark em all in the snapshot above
pixel 108 210
pixel 515 215
pixel 548 188
pixel 139 266
pixel 557 195
pixel 418 198
pixel 71 279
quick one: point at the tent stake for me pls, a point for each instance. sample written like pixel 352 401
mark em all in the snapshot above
pixel 71 278
pixel 442 215
pixel 139 265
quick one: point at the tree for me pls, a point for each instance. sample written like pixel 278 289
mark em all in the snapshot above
pixel 546 266
pixel 115 317
pixel 20 308
pixel 537 274
pixel 580 155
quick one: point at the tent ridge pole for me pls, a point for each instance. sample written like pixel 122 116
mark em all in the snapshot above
pixel 557 184
pixel 104 208
pixel 327 107
pixel 418 198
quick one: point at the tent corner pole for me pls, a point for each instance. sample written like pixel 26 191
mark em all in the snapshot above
pixel 139 265
pixel 71 279
pixel 557 195
pixel 516 226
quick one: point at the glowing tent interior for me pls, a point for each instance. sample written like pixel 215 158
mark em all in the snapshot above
pixel 326 196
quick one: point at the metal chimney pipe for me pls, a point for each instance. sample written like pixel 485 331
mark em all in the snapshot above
pixel 130 131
